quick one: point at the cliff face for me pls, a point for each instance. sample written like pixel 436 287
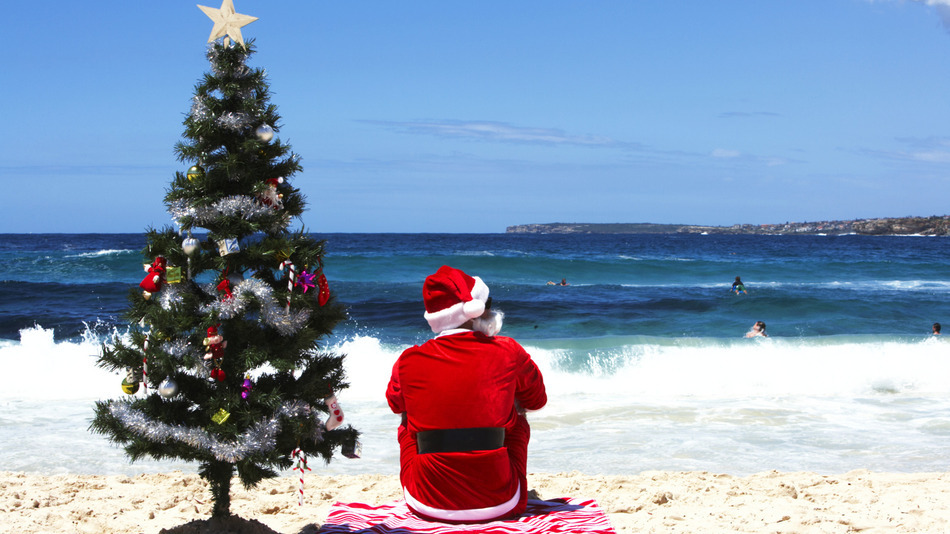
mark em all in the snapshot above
pixel 907 225
pixel 936 225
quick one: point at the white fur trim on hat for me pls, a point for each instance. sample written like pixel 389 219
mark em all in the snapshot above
pixel 460 312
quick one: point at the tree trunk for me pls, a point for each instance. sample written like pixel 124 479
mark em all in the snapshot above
pixel 218 475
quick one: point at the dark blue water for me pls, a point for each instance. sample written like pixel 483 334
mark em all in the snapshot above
pixel 649 285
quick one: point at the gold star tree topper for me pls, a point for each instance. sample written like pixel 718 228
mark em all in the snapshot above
pixel 227 23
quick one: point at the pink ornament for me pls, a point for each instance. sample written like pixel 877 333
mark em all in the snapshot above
pixel 305 280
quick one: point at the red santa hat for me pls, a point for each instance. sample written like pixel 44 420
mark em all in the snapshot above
pixel 452 298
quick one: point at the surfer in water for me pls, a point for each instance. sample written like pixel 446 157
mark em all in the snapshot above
pixel 738 286
pixel 758 330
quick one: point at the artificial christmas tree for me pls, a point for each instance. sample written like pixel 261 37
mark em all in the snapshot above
pixel 225 338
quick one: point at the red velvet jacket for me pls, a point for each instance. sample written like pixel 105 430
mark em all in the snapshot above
pixel 465 380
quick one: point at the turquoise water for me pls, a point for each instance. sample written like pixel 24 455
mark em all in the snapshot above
pixel 643 354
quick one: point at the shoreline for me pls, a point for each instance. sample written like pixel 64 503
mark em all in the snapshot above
pixel 653 501
pixel 934 225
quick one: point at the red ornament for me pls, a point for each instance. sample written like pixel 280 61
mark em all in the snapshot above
pixel 324 294
pixel 156 275
pixel 218 374
pixel 215 343
pixel 270 196
pixel 225 285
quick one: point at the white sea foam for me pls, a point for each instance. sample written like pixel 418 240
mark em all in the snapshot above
pixel 40 368
pixel 743 368
pixel 615 405
pixel 852 285
pixel 846 367
pixel 100 253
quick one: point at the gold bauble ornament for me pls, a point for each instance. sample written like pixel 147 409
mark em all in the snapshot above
pixel 195 172
pixel 129 386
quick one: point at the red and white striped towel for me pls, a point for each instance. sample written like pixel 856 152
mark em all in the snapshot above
pixel 569 516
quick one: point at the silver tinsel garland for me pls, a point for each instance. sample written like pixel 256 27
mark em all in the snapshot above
pixel 177 348
pixel 235 121
pixel 199 109
pixel 170 295
pixel 272 313
pixel 236 205
pixel 240 71
pixel 259 438
pixel 246 93
pixel 181 349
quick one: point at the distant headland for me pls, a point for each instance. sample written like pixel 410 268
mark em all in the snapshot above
pixel 935 225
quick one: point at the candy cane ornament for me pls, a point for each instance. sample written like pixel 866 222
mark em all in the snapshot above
pixel 145 366
pixel 300 465
pixel 291 278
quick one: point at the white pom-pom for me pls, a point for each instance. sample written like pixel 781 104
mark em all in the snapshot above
pixel 473 308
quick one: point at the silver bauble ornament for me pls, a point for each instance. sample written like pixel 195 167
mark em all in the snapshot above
pixel 168 388
pixel 190 245
pixel 265 132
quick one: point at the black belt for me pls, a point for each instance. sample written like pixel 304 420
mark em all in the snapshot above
pixel 460 440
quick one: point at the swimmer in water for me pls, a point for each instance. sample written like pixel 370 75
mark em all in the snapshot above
pixel 738 286
pixel 758 330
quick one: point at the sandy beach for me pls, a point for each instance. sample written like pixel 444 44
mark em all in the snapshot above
pixel 858 501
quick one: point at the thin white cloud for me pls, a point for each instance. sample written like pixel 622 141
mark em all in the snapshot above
pixel 746 114
pixel 924 150
pixel 750 159
pixel 933 156
pixel 941 6
pixel 943 10
pixel 724 153
pixel 500 132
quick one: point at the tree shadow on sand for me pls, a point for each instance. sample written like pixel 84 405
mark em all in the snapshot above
pixel 230 525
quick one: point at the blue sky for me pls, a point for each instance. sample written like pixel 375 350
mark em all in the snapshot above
pixel 446 116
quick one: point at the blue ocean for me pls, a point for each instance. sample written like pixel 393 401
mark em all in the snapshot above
pixel 644 353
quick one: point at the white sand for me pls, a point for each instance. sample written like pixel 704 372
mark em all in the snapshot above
pixel 859 501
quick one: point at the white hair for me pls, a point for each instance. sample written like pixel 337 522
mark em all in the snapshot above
pixel 490 323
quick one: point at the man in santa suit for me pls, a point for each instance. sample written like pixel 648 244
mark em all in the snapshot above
pixel 462 396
